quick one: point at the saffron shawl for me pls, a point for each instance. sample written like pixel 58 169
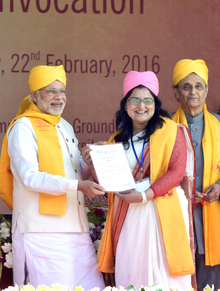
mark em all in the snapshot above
pixel 50 160
pixel 211 174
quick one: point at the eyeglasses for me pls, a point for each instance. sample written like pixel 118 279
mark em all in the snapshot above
pixel 52 92
pixel 136 101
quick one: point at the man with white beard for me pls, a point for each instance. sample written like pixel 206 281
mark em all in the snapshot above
pixel 42 177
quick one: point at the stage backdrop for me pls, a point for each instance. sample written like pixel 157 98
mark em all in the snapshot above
pixel 98 42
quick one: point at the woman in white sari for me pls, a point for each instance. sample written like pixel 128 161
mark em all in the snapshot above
pixel 148 229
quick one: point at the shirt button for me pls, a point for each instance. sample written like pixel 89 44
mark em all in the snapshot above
pixel 73 140
pixel 193 129
pixel 71 155
pixel 67 139
pixel 75 170
pixel 194 143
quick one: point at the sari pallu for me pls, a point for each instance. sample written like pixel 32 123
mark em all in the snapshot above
pixel 178 253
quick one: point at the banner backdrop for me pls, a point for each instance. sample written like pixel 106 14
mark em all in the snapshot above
pixel 98 42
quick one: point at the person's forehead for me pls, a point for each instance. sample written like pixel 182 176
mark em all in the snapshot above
pixel 56 84
pixel 192 79
pixel 141 92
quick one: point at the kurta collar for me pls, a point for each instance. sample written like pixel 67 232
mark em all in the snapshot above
pixel 195 119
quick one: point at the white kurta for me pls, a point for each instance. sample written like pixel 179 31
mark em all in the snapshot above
pixel 140 255
pixel 50 249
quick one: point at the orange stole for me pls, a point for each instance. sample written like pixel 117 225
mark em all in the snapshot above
pixel 211 174
pixel 50 160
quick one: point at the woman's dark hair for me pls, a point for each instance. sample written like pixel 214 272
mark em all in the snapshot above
pixel 124 122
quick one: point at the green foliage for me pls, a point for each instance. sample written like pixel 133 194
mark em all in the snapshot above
pixel 96 216
pixel 131 288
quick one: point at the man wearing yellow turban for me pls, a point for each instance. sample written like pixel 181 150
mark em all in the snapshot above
pixel 41 179
pixel 190 79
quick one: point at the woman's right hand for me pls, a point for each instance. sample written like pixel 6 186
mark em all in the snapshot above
pixel 85 152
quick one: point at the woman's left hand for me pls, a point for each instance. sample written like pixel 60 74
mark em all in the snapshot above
pixel 130 196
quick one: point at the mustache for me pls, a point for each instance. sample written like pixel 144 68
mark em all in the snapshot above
pixel 58 102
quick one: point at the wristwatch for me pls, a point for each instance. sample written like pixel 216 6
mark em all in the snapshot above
pixel 144 200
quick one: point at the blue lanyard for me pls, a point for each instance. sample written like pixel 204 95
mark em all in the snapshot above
pixel 142 153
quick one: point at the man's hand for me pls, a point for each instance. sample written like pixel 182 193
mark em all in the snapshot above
pixel 212 193
pixel 90 189
pixel 198 198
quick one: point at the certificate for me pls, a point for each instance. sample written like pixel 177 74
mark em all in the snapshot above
pixel 112 167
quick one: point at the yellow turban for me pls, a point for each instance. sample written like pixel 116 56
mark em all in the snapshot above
pixel 40 77
pixel 186 66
